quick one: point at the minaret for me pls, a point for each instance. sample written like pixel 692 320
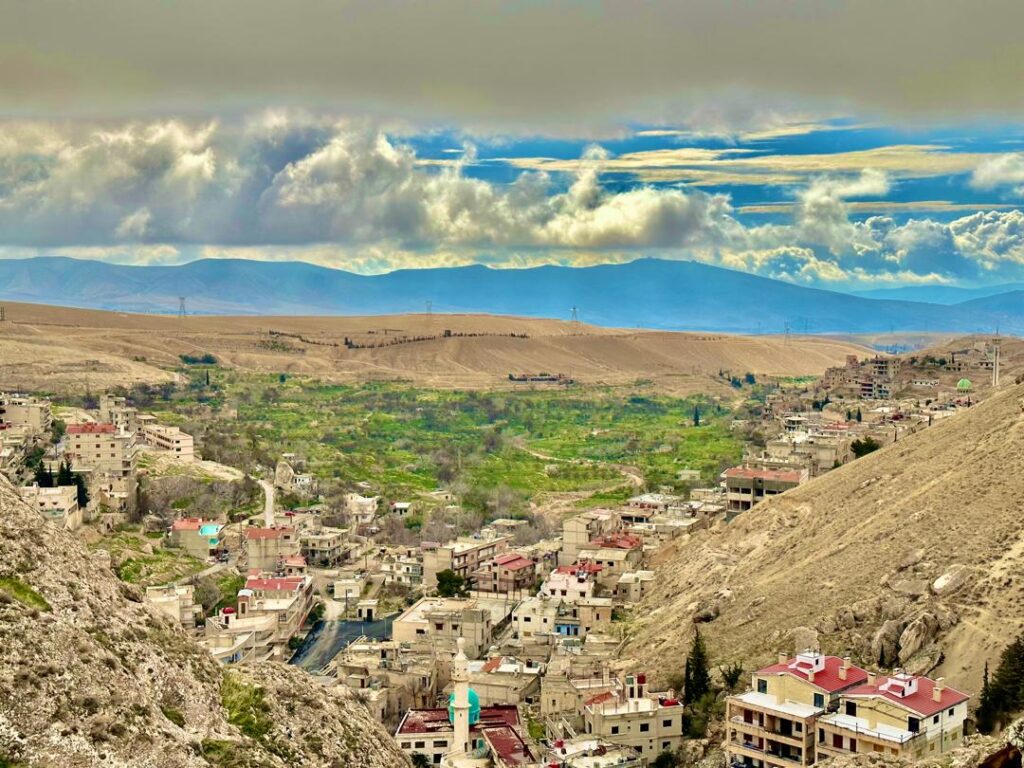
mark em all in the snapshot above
pixel 460 704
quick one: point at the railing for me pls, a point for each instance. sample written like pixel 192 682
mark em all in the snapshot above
pixel 796 736
pixel 768 753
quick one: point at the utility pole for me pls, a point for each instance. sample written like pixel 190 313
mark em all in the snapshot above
pixel 995 362
pixel 3 316
pixel 181 308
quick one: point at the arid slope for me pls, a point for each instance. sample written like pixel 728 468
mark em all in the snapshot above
pixel 89 675
pixel 57 348
pixel 911 556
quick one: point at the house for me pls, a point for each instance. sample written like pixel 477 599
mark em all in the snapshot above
pixel 773 724
pixel 58 505
pixel 404 566
pixel 564 693
pixel 202 539
pixel 617 553
pixel 360 510
pixel 401 508
pixel 508 573
pixel 171 440
pixel 580 618
pixel 233 637
pixel 108 459
pixel 650 723
pixel 745 487
pixel 288 599
pixel 176 601
pixel 463 556
pixel 580 530
pixel 572 582
pixel 535 616
pixel 588 752
pixel 632 586
pixel 505 680
pixel 324 546
pixel 267 547
pixel 440 622
pixel 903 715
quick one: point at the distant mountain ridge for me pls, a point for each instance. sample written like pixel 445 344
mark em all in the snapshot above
pixel 939 294
pixel 647 293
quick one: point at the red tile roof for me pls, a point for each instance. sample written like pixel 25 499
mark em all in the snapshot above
pixel 782 475
pixel 513 561
pixel 617 541
pixel 187 524
pixel 276 584
pixel 90 429
pixel 492 664
pixel 436 720
pixel 827 679
pixel 267 533
pixel 508 745
pixel 920 701
pixel 585 567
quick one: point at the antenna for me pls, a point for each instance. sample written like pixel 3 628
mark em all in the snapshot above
pixel 575 314
pixel 181 307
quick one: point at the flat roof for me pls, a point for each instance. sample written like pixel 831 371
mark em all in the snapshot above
pixel 795 708
pixel 427 721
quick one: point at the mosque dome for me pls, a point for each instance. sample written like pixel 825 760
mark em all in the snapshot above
pixel 474 707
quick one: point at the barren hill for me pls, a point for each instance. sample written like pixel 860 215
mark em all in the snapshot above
pixel 45 347
pixel 911 556
pixel 91 676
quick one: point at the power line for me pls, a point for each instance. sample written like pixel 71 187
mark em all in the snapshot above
pixel 181 307
pixel 575 314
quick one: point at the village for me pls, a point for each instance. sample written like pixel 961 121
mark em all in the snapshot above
pixel 485 650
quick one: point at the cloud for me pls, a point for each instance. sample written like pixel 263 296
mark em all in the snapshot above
pixel 351 194
pixel 508 63
pixel 999 171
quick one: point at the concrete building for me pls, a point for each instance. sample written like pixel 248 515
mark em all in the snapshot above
pixel 170 440
pixel 108 459
pixel 535 616
pixel 233 638
pixel 494 734
pixel 650 723
pixel 616 553
pixel 360 510
pixel 745 487
pixel 572 582
pixel 35 414
pixel 588 752
pixel 325 547
pixel 508 573
pixel 505 680
pixel 906 716
pixel 580 530
pixel 463 556
pixel 202 539
pixel 773 724
pixel 289 600
pixel 632 586
pixel 439 622
pixel 267 548
pixel 176 601
pixel 58 505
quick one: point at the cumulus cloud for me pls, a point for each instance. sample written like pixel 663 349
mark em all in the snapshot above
pixel 1002 170
pixel 352 194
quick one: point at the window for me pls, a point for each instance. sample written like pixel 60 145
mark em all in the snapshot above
pixel 615 729
pixel 819 700
pixel 666 746
pixel 420 744
pixel 851 708
pixel 645 727
pixel 853 745
pixel 913 724
pixel 666 723
pixel 798 726
pixel 837 741
pixel 951 711
pixel 935 719
pixel 762 686
pixel 441 743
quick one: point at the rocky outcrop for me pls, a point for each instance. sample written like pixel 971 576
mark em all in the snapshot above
pixel 89 675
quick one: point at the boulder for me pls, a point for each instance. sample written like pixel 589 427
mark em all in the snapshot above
pixel 804 638
pixel 917 635
pixel 886 642
pixel 953 579
pixel 910 587
pixel 910 559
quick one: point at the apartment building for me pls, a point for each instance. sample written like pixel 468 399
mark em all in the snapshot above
pixel 572 582
pixel 58 505
pixel 509 573
pixel 267 548
pixel 202 539
pixel 288 599
pixel 773 724
pixel 439 622
pixel 402 566
pixel 463 556
pixel 177 602
pixel 107 458
pixel 616 553
pixel 325 546
pixel 745 486
pixel 115 410
pixel 170 440
pixel 233 638
pixel 580 530
pixel 35 414
pixel 906 716
pixel 650 723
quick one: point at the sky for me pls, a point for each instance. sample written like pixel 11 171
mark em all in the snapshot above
pixel 842 145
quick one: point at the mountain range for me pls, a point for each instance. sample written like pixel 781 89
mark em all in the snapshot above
pixel 647 293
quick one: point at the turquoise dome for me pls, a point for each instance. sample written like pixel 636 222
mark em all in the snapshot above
pixel 474 707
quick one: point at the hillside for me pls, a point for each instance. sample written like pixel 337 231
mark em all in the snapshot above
pixel 646 293
pixel 911 556
pixel 90 676
pixel 52 348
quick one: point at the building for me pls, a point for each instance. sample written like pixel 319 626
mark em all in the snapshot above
pixel 360 510
pixel 266 548
pixel 463 556
pixel 587 752
pixel 506 680
pixel 35 414
pixel 465 729
pixel 233 638
pixel 58 505
pixel 580 530
pixel 107 458
pixel 773 724
pixel 325 547
pixel 535 616
pixel 903 715
pixel 202 539
pixel 289 600
pixel 572 582
pixel 402 567
pixel 508 573
pixel 650 723
pixel 176 601
pixel 632 586
pixel 170 440
pixel 745 487
pixel 617 553
pixel 440 622
pixel 115 410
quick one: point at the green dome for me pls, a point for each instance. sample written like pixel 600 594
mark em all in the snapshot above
pixel 474 707
pixel 963 385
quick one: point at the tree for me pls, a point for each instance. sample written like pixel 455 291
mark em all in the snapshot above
pixel 860 416
pixel 985 716
pixel 696 415
pixel 750 378
pixel 64 474
pixel 44 477
pixel 451 584
pixel 864 446
pixel 665 759
pixel 419 760
pixel 696 678
pixel 731 675
pixel 1002 697
pixel 83 492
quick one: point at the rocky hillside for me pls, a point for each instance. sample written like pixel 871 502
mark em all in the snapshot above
pixel 911 556
pixel 90 676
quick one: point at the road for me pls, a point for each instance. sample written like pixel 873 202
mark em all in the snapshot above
pixel 268 502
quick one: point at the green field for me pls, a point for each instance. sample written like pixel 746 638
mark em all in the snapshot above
pixel 403 439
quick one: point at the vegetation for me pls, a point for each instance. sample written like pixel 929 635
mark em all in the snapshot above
pixel 864 446
pixel 174 716
pixel 23 593
pixel 697 677
pixel 1002 696
pixel 206 359
pixel 451 584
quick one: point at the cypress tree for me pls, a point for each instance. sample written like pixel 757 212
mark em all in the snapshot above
pixel 82 491
pixel 44 477
pixel 697 677
pixel 64 475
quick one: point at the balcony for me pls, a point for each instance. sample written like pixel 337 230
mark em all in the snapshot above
pixel 768 755
pixel 795 738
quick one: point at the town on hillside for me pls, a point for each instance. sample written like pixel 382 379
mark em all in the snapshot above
pixel 502 646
